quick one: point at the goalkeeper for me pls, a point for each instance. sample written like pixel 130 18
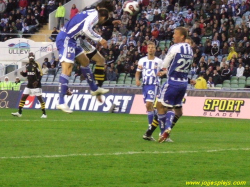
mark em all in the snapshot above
pixel 34 75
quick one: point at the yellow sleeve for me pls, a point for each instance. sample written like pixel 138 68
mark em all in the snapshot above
pixel 40 69
pixel 204 84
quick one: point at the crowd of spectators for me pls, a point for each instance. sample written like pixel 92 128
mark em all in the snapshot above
pixel 219 29
pixel 24 16
pixel 6 84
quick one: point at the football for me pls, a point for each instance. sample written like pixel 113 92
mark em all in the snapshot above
pixel 131 7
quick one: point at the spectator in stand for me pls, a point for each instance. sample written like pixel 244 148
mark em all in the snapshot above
pixel 10 6
pixel 200 82
pixel 246 71
pixel 60 14
pixel 2 7
pixel 215 49
pixel 23 3
pixel 45 69
pixel 196 38
pixel 19 25
pixel 240 70
pixel 216 78
pixel 210 83
pixel 233 69
pixel 232 54
pixel 73 11
pixel 52 70
pixel 119 68
pixel 155 32
pixel 111 75
pixel 47 63
pixel 50 8
pixel 34 25
pixel 208 49
pixel 43 15
pixel 54 35
pixel 6 84
pixel 226 73
pixel 16 85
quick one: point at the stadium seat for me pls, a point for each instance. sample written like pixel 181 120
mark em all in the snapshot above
pixel 120 81
pixel 56 79
pixel 241 81
pixel 168 43
pixel 218 85
pixel 248 78
pixel 112 83
pixel 127 82
pixel 105 83
pixel 162 45
pixel 248 83
pixel 242 86
pixel 163 80
pixel 234 78
pixel 50 79
pixel 226 85
pixel 234 81
pixel 71 80
pixel 234 86
pixel 44 78
pixel 203 40
pixel 77 80
pixel 122 76
pixel 242 78
pixel 226 81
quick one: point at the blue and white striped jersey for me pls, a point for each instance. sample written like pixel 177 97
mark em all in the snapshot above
pixel 82 25
pixel 149 69
pixel 178 62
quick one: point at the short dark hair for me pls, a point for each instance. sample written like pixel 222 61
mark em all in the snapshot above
pixel 107 5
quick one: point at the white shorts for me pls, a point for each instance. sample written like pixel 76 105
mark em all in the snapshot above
pixel 87 47
pixel 33 91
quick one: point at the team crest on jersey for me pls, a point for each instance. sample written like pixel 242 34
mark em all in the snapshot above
pixel 69 55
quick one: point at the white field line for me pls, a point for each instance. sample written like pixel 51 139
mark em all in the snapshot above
pixel 47 120
pixel 123 153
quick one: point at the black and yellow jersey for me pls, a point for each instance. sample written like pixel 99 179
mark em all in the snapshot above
pixel 33 73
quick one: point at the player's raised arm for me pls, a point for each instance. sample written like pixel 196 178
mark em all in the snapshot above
pixel 90 22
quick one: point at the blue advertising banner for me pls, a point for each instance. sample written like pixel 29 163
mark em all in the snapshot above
pixel 8 99
pixel 85 102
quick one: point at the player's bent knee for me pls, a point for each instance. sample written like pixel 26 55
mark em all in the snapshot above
pixel 150 106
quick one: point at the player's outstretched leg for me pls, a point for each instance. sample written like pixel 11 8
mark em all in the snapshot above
pixel 63 88
pixel 21 105
pixel 168 124
pixel 42 106
pixel 151 129
pixel 99 74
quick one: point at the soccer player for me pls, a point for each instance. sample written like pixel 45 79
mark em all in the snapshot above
pixel 82 25
pixel 178 61
pixel 155 123
pixel 149 66
pixel 33 73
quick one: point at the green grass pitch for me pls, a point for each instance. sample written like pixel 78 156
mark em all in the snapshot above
pixel 102 149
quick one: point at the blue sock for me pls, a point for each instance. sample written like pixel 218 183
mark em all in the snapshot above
pixel 169 120
pixel 162 121
pixel 90 78
pixel 150 117
pixel 63 87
